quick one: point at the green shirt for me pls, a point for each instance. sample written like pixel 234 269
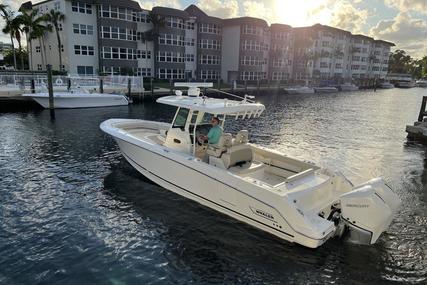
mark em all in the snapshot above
pixel 214 134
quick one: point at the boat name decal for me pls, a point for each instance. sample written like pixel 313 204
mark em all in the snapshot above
pixel 357 205
pixel 262 213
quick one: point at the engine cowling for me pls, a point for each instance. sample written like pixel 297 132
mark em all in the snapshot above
pixel 368 210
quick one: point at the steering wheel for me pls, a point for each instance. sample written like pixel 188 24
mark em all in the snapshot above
pixel 201 141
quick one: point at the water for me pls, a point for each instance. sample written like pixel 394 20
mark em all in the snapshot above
pixel 73 211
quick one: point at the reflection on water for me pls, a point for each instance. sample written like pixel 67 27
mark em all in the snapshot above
pixel 73 210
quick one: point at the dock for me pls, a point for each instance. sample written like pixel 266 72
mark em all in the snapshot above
pixel 418 131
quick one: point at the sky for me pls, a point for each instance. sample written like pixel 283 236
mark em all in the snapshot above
pixel 403 22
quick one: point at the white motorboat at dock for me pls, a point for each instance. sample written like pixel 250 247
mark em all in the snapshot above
pixel 386 85
pixel 80 98
pixel 299 90
pixel 294 200
pixel 349 87
pixel 421 83
pixel 327 89
pixel 405 84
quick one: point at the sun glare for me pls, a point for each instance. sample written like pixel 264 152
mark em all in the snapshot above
pixel 302 12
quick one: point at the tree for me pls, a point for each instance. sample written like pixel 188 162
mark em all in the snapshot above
pixel 30 21
pixel 10 27
pixel 8 57
pixel 158 22
pixel 54 18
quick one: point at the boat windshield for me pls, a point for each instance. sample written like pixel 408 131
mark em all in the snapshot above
pixel 181 118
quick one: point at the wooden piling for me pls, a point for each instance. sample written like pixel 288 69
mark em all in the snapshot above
pixel 129 87
pixel 101 86
pixel 50 86
pixel 422 110
pixel 33 86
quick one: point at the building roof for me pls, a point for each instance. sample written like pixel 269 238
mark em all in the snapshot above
pixel 278 26
pixel 385 42
pixel 193 10
pixel 165 11
pixel 245 20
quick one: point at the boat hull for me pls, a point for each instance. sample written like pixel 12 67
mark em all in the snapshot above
pixel 326 90
pixel 216 193
pixel 69 101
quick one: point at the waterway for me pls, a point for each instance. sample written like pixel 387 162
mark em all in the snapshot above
pixel 73 211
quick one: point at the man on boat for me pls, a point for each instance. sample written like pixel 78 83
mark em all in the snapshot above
pixel 214 133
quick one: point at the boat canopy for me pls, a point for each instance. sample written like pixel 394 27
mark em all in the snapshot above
pixel 240 109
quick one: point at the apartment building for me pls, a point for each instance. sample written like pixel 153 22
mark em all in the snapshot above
pixel 245 53
pixel 209 44
pixel 113 37
pixel 281 54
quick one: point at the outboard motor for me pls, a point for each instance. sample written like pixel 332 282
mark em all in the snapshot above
pixel 368 210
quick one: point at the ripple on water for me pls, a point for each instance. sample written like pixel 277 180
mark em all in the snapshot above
pixel 73 211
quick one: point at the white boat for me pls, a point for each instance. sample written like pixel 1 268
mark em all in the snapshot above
pixel 405 84
pixel 386 85
pixel 327 89
pixel 299 90
pixel 294 200
pixel 421 83
pixel 349 87
pixel 79 99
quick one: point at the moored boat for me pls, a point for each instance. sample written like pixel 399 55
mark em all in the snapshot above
pixel 386 85
pixel 299 90
pixel 421 83
pixel 327 89
pixel 79 99
pixel 349 87
pixel 291 199
pixel 405 84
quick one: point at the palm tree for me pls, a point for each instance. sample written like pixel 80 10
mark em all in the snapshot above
pixel 29 21
pixel 10 27
pixel 54 18
pixel 39 31
pixel 153 34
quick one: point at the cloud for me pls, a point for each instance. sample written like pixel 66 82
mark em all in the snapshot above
pixel 256 9
pixel 407 32
pixel 220 8
pixel 348 17
pixel 408 5
pixel 164 3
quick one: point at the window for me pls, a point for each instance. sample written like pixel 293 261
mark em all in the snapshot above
pixel 209 74
pixel 57 6
pixel 143 71
pixel 37 48
pixel 165 73
pixel 84 70
pixel 189 57
pixel 83 50
pixel 169 39
pixel 338 65
pixel 81 7
pixel 280 75
pixel 83 29
pixel 209 28
pixel 144 54
pixel 253 75
pixel 39 67
pixel 210 44
pixel 323 65
pixel 254 45
pixel 181 118
pixel 210 59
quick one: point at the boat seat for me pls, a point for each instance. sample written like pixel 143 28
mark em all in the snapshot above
pixel 237 155
pixel 218 149
pixel 242 137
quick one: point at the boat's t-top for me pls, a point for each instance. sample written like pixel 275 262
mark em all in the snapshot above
pixel 195 112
